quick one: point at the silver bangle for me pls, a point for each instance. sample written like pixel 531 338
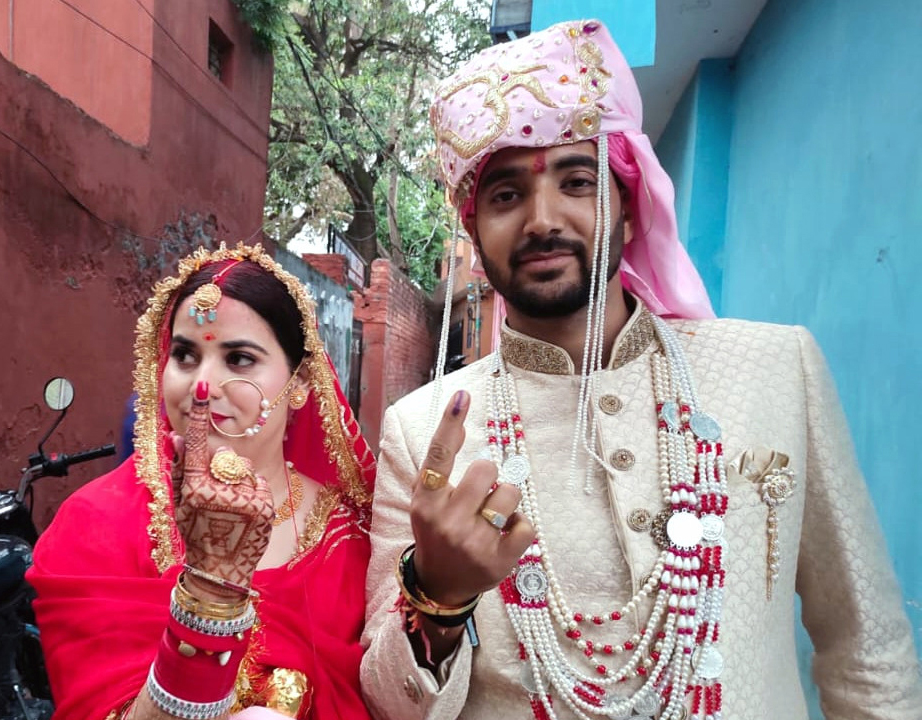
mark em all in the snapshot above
pixel 183 708
pixel 207 626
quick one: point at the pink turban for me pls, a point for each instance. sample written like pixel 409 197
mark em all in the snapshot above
pixel 563 85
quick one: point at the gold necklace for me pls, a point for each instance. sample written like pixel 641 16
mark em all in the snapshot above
pixel 295 496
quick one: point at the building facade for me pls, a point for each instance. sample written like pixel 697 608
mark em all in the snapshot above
pixel 129 133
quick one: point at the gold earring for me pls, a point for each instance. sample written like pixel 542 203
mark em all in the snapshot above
pixel 297 398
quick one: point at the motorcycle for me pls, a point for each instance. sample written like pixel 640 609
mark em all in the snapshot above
pixel 24 690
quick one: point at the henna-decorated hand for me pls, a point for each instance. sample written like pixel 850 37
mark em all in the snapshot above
pixel 225 510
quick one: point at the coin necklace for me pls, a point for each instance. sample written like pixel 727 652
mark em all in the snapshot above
pixel 676 652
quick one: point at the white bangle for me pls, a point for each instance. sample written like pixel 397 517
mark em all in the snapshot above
pixel 208 626
pixel 183 708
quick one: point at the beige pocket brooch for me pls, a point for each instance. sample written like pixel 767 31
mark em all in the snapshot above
pixel 768 470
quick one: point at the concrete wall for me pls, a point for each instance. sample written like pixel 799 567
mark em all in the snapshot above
pixel 89 219
pixel 334 309
pixel 819 124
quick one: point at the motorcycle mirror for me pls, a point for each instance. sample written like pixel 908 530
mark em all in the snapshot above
pixel 59 393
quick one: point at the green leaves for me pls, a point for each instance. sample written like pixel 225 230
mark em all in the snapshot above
pixel 266 19
pixel 350 106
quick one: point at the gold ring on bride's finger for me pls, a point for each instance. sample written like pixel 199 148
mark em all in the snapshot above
pixel 496 519
pixel 433 480
pixel 229 468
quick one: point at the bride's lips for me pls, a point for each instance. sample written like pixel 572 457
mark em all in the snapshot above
pixel 218 417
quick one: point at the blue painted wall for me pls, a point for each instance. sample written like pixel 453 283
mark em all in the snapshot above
pixel 676 151
pixel 823 219
pixel 824 222
pixel 632 23
pixel 696 155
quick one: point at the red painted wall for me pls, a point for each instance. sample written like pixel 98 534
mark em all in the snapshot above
pixel 72 48
pixel 89 221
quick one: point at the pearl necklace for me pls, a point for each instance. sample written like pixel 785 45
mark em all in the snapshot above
pixel 676 652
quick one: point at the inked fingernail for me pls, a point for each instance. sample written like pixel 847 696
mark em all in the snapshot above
pixel 459 402
pixel 201 390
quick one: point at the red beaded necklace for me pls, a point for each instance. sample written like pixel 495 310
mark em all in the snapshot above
pixel 675 655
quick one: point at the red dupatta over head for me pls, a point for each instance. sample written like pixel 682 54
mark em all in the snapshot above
pixel 105 568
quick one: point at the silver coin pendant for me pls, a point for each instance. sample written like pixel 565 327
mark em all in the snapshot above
pixel 684 529
pixel 712 527
pixel 670 413
pixel 704 426
pixel 531 582
pixel 646 704
pixel 516 470
pixel 527 677
pixel 708 662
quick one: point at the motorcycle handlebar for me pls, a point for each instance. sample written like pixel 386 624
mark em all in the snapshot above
pixel 57 466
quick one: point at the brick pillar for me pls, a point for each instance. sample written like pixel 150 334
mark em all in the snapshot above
pixel 371 310
pixel 332 265
pixel 399 343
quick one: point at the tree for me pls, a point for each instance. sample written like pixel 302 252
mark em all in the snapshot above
pixel 349 131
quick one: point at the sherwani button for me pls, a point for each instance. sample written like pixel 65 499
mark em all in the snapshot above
pixel 610 404
pixel 622 459
pixel 640 520
pixel 411 688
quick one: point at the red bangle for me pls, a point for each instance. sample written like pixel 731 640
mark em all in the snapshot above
pixel 186 669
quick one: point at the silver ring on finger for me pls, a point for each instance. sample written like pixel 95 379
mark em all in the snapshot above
pixel 496 519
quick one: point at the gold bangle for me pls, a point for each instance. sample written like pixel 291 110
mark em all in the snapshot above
pixel 220 582
pixel 207 608
pixel 424 604
pixel 438 610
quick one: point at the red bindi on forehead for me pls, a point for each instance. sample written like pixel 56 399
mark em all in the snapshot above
pixel 539 165
pixel 209 336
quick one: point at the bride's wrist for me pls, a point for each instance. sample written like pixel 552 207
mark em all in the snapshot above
pixel 211 587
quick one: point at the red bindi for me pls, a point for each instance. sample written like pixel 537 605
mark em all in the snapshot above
pixel 209 336
pixel 540 163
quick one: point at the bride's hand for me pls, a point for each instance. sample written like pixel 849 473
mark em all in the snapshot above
pixel 225 510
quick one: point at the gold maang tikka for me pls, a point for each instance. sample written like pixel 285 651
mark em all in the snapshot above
pixel 205 300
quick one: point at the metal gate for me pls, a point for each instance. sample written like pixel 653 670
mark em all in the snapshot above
pixel 355 367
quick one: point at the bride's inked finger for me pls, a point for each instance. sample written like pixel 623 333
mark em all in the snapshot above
pixel 196 444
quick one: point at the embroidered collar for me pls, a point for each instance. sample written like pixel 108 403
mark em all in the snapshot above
pixel 529 353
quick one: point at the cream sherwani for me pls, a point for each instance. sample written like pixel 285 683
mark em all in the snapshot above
pixel 769 389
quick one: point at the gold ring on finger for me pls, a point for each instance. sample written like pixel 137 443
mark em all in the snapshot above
pixel 229 468
pixel 496 519
pixel 433 480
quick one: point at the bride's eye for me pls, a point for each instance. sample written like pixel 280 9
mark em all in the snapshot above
pixel 240 359
pixel 183 354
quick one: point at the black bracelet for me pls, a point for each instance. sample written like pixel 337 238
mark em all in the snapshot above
pixel 406 578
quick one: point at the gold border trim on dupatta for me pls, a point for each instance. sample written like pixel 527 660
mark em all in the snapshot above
pixel 153 468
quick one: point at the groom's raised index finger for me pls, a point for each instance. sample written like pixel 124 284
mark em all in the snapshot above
pixel 445 444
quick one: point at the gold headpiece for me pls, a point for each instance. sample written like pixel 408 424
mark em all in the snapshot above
pixel 205 300
pixel 149 428
pixel 205 303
